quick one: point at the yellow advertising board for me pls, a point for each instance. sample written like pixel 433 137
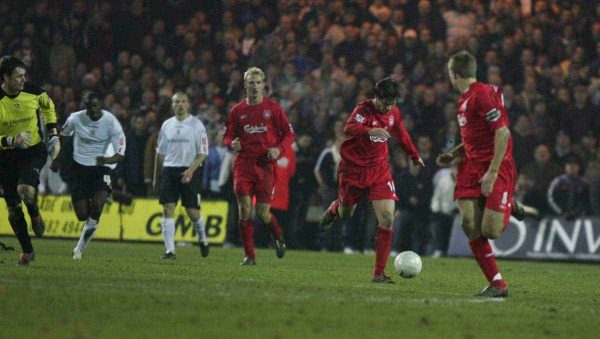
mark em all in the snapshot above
pixel 139 221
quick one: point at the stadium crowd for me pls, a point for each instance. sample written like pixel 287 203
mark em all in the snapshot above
pixel 321 58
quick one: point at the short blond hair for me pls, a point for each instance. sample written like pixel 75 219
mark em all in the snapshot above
pixel 252 71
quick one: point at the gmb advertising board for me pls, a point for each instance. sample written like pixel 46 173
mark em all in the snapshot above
pixel 139 221
pixel 546 239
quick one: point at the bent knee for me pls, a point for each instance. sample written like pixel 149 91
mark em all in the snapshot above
pixel 470 228
pixel 264 217
pixel 82 217
pixel 26 193
pixel 491 231
pixel 387 219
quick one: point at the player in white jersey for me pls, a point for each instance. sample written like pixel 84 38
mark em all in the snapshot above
pixel 182 148
pixel 93 130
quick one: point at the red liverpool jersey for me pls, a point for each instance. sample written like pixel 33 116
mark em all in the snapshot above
pixel 480 113
pixel 259 128
pixel 362 150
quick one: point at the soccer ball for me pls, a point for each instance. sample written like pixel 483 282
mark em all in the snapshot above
pixel 408 264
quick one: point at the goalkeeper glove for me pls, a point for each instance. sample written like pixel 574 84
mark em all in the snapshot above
pixel 53 146
pixel 21 141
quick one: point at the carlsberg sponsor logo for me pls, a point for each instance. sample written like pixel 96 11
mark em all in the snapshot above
pixel 254 129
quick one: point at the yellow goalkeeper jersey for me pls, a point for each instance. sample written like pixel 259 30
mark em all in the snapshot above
pixel 29 111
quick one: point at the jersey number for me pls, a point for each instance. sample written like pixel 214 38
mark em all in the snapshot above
pixel 504 198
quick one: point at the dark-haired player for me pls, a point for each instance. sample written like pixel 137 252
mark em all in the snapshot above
pixel 27 118
pixel 364 169
pixel 93 130
pixel 486 175
pixel 258 131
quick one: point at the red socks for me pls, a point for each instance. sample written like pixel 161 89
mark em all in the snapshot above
pixel 487 261
pixel 247 235
pixel 383 245
pixel 274 227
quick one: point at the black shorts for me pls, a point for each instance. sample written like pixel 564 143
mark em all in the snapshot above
pixel 87 180
pixel 171 187
pixel 21 167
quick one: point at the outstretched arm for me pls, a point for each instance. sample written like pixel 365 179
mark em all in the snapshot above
pixel 447 157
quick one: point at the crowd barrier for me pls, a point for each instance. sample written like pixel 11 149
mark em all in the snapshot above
pixel 139 221
pixel 546 239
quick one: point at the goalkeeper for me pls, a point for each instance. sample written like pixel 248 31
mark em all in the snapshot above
pixel 27 134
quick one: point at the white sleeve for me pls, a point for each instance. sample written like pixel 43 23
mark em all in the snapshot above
pixel 435 199
pixel 550 196
pixel 226 168
pixel 201 140
pixel 118 137
pixel 161 144
pixel 67 129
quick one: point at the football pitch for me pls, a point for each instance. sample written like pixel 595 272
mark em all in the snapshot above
pixel 125 290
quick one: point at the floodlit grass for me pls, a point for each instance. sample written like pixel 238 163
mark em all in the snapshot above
pixel 126 290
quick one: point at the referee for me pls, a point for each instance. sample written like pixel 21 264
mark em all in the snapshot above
pixel 24 110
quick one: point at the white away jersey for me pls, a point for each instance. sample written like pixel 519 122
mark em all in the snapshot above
pixel 180 142
pixel 93 139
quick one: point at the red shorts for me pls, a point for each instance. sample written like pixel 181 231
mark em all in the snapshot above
pixel 357 182
pixel 468 184
pixel 254 177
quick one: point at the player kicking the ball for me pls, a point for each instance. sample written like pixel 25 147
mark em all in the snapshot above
pixel 486 175
pixel 364 169
pixel 93 130
pixel 258 131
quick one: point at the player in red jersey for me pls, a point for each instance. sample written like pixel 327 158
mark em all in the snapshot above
pixel 364 169
pixel 257 131
pixel 486 175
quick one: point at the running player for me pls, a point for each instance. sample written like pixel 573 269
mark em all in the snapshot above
pixel 93 130
pixel 28 119
pixel 258 131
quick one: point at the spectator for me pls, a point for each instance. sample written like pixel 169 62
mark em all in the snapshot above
pixel 542 171
pixel 569 194
pixel 592 174
pixel 411 230
pixel 563 148
pixel 524 141
pixel 444 209
pixel 131 170
pixel 212 164
pixel 325 172
pixel 302 186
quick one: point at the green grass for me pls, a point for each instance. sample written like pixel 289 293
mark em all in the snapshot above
pixel 125 290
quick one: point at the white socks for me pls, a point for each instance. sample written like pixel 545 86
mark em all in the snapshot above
pixel 168 231
pixel 200 229
pixel 86 234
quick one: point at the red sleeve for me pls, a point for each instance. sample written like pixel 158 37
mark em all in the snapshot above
pixel 357 123
pixel 286 131
pixel 230 129
pixel 401 136
pixel 488 103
